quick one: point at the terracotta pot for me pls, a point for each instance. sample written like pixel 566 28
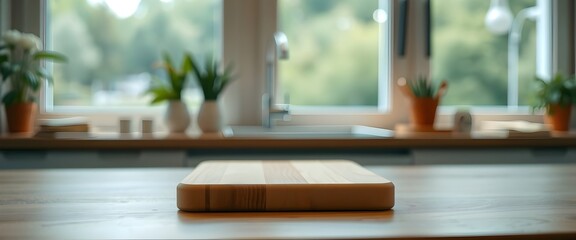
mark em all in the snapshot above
pixel 558 117
pixel 20 117
pixel 423 112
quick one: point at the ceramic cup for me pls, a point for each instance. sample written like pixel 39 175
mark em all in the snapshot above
pixel 125 125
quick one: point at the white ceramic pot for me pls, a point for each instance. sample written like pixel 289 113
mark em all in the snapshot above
pixel 210 118
pixel 177 117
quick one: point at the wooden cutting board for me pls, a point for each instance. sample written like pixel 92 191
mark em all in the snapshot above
pixel 335 185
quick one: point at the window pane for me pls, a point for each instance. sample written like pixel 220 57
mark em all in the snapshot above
pixel 112 46
pixel 474 60
pixel 334 51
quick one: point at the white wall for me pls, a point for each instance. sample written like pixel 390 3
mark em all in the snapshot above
pixel 4 25
pixel 4 14
pixel 243 34
pixel 21 18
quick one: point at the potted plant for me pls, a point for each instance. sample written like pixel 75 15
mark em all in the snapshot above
pixel 177 116
pixel 213 80
pixel 556 96
pixel 424 100
pixel 21 68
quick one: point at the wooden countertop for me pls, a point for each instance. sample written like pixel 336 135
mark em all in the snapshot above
pixel 448 202
pixel 197 141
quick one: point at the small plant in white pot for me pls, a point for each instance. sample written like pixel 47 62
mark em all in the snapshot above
pixel 213 80
pixel 177 116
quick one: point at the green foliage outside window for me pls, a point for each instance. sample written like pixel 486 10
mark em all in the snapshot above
pixel 104 50
pixel 335 53
pixel 334 48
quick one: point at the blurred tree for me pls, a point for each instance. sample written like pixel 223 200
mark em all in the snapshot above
pixel 473 60
pixel 335 43
pixel 334 48
pixel 105 50
pixel 334 52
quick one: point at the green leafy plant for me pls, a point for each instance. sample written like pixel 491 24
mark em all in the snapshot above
pixel 171 90
pixel 559 90
pixel 21 57
pixel 212 78
pixel 422 88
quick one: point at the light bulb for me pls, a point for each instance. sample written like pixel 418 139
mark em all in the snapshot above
pixel 499 17
pixel 124 8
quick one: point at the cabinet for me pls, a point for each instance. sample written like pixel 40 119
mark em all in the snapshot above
pixel 16 159
pixel 494 156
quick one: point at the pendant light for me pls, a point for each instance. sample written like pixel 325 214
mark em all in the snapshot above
pixel 499 17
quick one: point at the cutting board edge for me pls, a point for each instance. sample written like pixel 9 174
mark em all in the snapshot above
pixel 311 197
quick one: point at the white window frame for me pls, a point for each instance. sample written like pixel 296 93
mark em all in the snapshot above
pixel 333 116
pixel 248 26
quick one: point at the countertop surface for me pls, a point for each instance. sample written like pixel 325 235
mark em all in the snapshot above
pixel 447 202
pixel 218 141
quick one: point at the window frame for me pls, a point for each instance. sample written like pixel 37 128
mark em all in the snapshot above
pixel 247 28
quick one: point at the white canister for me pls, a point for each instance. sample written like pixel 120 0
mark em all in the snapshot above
pixel 463 121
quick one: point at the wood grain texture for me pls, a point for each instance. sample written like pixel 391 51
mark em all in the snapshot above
pixel 335 185
pixel 503 202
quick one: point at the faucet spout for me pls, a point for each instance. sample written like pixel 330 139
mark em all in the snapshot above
pixel 278 50
pixel 281 45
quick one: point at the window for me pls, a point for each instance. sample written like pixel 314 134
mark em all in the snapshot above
pixel 343 53
pixel 338 52
pixel 113 46
pixel 475 61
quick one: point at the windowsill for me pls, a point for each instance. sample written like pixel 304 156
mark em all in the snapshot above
pixel 194 140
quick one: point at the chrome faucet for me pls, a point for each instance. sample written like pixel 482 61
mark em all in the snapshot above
pixel 270 110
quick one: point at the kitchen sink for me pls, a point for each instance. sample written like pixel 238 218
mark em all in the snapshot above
pixel 309 131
